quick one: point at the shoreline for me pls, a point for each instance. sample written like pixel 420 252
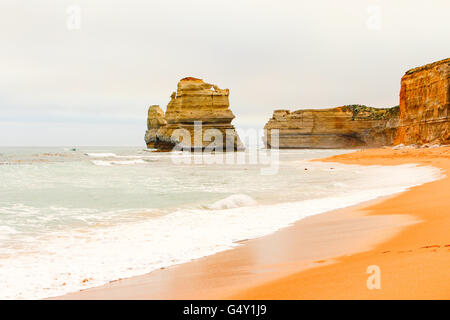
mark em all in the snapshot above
pixel 272 266
pixel 413 264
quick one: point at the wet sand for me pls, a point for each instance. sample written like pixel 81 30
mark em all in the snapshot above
pixel 326 256
pixel 415 264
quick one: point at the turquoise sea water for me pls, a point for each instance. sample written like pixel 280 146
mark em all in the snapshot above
pixel 72 219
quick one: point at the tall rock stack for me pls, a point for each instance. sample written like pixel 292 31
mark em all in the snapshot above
pixel 202 110
pixel 352 126
pixel 425 105
pixel 156 121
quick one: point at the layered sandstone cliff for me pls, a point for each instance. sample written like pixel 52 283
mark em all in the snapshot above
pixel 197 117
pixel 423 117
pixel 342 127
pixel 425 105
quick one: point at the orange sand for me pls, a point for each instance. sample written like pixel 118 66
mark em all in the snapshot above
pixel 415 264
pixel 326 256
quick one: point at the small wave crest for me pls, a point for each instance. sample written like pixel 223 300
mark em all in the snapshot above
pixel 5 231
pixel 101 155
pixel 233 201
pixel 111 163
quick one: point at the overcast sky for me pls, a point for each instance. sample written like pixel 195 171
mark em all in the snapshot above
pixel 88 80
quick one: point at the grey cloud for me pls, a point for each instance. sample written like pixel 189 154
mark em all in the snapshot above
pixel 271 54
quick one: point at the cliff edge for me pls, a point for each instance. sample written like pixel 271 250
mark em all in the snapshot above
pixel 425 105
pixel 351 126
pixel 423 117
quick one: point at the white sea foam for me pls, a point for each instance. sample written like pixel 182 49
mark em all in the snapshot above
pixel 5 231
pixel 101 155
pixel 233 201
pixel 116 162
pixel 68 261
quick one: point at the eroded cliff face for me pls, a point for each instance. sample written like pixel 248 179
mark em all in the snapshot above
pixel 197 117
pixel 342 127
pixel 425 105
pixel 423 117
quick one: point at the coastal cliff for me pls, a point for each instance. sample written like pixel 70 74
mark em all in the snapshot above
pixel 425 105
pixel 201 110
pixel 342 127
pixel 423 117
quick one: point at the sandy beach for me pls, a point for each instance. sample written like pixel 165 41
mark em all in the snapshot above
pixel 414 263
pixel 225 151
pixel 326 256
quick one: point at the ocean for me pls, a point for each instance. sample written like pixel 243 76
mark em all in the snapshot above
pixel 71 218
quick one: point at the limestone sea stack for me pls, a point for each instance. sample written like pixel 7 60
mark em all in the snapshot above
pixel 351 126
pixel 425 105
pixel 197 117
pixel 155 121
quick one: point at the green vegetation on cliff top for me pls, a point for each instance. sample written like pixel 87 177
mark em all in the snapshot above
pixel 364 112
pixel 428 66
